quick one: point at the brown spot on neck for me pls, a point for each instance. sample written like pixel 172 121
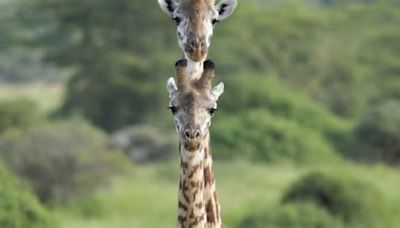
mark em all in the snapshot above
pixel 208 176
pixel 199 205
pixel 181 220
pixel 182 206
pixel 194 170
pixel 211 217
pixel 196 221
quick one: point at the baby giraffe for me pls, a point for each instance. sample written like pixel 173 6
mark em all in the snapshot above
pixel 193 104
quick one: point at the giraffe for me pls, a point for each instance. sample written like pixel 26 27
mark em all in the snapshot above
pixel 195 20
pixel 193 104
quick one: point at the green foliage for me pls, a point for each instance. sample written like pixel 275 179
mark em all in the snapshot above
pixel 273 123
pixel 299 215
pixel 87 207
pixel 17 114
pixel 18 207
pixel 22 66
pixel 118 73
pixel 117 95
pixel 353 201
pixel 267 138
pixel 378 134
pixel 255 92
pixel 323 52
pixel 47 97
pixel 337 54
pixel 8 26
pixel 61 162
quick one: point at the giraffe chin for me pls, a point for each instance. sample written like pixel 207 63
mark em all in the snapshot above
pixel 192 145
pixel 198 55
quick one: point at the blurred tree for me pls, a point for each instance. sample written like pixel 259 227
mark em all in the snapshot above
pixel 378 134
pixel 24 66
pixel 63 161
pixel 331 54
pixel 8 26
pixel 122 52
pixel 18 62
pixel 117 48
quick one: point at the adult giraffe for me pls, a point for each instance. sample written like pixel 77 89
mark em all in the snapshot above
pixel 195 20
pixel 193 104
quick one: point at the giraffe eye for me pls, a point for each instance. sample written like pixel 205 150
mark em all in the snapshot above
pixel 173 109
pixel 212 111
pixel 177 20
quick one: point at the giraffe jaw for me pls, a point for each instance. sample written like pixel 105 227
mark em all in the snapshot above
pixel 198 55
pixel 192 145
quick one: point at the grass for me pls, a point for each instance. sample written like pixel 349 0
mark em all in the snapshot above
pixel 147 198
pixel 47 96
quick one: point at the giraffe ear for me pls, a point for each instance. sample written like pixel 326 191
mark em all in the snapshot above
pixel 225 8
pixel 171 86
pixel 168 6
pixel 217 90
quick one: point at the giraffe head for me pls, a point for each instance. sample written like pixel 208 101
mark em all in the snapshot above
pixel 195 20
pixel 193 104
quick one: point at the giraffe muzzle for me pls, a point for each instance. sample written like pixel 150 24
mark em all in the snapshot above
pixel 192 145
pixel 192 139
pixel 197 50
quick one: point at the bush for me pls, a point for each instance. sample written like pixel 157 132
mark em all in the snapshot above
pixel 17 113
pixel 299 215
pixel 378 134
pixel 280 100
pixel 88 207
pixel 258 136
pixel 270 120
pixel 352 201
pixel 26 66
pixel 61 162
pixel 145 143
pixel 18 207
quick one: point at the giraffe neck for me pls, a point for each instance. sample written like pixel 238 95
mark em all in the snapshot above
pixel 198 204
pixel 213 208
pixel 191 209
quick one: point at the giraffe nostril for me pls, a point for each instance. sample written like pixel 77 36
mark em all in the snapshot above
pixel 187 134
pixel 188 48
pixel 203 44
pixel 193 44
pixel 192 134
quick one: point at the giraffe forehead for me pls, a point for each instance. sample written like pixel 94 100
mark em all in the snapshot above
pixel 196 10
pixel 193 100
